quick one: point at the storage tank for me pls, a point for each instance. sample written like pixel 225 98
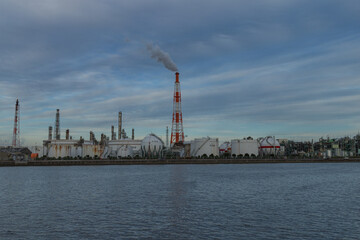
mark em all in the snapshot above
pixel 245 147
pixel 225 148
pixel 201 146
pixel 76 151
pixel 269 146
pixel 91 150
pixel 235 147
pixel 152 146
pixel 60 149
pixel 125 151
pixel 115 145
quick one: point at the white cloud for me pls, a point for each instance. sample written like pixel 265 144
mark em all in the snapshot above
pixel 262 65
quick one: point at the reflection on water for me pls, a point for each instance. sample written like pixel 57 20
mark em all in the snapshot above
pixel 177 195
pixel 274 201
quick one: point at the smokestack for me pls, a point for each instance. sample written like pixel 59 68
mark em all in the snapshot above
pixel 50 133
pixel 120 123
pixel 133 134
pixel 67 134
pixel 92 136
pixel 103 139
pixel 113 136
pixel 57 125
pixel 177 131
pixel 16 132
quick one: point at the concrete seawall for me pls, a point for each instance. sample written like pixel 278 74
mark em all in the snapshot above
pixel 168 161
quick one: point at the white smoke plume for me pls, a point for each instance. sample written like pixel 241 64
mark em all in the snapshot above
pixel 162 57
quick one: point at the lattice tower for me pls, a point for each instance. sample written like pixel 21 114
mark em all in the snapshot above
pixel 177 131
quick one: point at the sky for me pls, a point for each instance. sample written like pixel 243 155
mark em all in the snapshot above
pixel 284 68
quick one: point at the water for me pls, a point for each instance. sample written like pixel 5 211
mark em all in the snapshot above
pixel 260 201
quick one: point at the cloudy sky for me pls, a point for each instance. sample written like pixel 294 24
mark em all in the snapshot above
pixel 247 68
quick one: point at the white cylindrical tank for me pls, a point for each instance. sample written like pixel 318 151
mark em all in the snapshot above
pixel 52 151
pixel 88 149
pixel 76 151
pixel 125 151
pixel 245 147
pixel 269 146
pixel 62 149
pixel 152 146
pixel 202 146
pixel 235 147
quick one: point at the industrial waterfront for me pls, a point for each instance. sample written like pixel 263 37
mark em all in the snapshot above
pixel 179 120
pixel 121 149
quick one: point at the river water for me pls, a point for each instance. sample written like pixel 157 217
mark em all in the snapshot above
pixel 241 201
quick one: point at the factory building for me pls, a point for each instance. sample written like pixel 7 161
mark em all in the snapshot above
pixel 86 148
pixel 15 154
pixel 204 146
pixel 150 147
pixel 81 148
pixel 247 147
pixel 71 148
pixel 61 148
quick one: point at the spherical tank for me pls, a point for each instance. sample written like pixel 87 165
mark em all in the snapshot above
pixel 269 145
pixel 151 145
pixel 225 148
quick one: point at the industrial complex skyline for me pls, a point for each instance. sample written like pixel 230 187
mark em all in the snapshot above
pixel 247 68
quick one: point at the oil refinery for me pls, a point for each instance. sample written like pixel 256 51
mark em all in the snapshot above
pixel 118 145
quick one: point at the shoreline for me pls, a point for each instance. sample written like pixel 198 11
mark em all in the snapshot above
pixel 168 161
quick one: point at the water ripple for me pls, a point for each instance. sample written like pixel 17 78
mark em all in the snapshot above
pixel 261 201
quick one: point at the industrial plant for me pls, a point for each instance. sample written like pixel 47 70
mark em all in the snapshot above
pixel 118 145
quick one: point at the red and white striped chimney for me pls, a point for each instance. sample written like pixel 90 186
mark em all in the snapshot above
pixel 177 131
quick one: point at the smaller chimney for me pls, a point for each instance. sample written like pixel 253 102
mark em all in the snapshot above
pixel 57 125
pixel 50 133
pixel 67 134
pixel 133 134
pixel 113 136
pixel 120 123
